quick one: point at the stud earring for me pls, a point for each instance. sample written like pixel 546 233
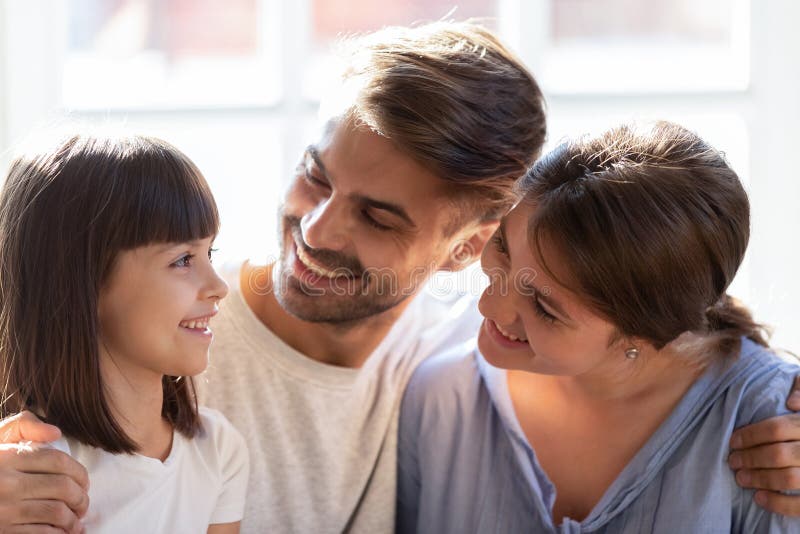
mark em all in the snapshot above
pixel 632 353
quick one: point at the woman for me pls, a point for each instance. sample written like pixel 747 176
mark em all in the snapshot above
pixel 612 367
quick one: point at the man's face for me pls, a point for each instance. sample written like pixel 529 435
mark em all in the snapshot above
pixel 361 228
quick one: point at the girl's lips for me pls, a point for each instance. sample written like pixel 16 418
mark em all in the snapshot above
pixel 203 333
pixel 500 339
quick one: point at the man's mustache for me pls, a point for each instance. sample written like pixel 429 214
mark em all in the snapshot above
pixel 329 259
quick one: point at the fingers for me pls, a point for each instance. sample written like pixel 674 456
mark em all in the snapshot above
pixel 772 456
pixel 788 505
pixel 26 426
pixel 781 428
pixel 25 460
pixel 33 529
pixel 39 516
pixel 787 478
pixel 793 401
pixel 44 474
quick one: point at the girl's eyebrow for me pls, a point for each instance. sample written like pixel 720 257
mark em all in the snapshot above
pixel 167 247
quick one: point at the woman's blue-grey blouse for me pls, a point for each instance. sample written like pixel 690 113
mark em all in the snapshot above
pixel 465 466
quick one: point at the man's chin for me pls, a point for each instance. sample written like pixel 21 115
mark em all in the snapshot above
pixel 332 309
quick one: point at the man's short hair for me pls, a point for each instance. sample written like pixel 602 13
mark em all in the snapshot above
pixel 455 99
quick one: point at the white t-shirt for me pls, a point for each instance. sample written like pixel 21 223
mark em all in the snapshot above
pixel 323 439
pixel 202 482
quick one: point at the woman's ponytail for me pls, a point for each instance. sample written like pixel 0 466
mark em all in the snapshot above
pixel 728 320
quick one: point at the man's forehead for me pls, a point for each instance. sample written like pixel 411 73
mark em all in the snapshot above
pixel 359 161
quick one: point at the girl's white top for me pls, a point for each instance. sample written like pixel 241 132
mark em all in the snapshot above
pixel 203 481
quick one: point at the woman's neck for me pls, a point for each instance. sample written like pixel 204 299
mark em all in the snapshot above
pixel 586 429
pixel 136 397
pixel 624 381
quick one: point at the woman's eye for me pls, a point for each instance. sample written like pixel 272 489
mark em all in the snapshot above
pixel 544 314
pixel 497 241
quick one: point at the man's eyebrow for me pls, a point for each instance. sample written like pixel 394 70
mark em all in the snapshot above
pixel 386 206
pixel 312 151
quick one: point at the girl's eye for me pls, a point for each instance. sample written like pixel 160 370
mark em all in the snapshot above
pixel 497 241
pixel 372 222
pixel 211 252
pixel 183 261
pixel 541 312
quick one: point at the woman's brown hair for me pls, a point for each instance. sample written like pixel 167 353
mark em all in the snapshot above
pixel 652 226
pixel 65 215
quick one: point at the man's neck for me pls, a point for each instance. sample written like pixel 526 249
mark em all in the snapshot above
pixel 341 345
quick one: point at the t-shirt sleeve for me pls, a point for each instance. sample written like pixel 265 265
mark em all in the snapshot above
pixel 234 462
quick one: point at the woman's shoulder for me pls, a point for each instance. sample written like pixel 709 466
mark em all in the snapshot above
pixel 452 371
pixel 446 395
pixel 763 378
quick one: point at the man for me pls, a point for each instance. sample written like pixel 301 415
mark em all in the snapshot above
pixel 312 352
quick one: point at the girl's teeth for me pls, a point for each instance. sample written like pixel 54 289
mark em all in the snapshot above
pixel 194 324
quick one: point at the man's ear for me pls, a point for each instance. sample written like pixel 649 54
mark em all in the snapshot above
pixel 468 245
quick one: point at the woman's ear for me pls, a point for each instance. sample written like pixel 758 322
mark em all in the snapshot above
pixel 468 245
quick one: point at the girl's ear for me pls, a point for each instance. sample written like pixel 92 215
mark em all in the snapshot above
pixel 468 245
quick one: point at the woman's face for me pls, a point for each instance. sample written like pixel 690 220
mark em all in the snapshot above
pixel 531 322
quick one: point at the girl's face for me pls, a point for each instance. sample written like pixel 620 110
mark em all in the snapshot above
pixel 155 307
pixel 531 322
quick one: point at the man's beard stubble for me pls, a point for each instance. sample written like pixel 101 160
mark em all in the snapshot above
pixel 364 294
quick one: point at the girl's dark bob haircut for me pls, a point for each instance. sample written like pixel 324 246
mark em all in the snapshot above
pixel 65 215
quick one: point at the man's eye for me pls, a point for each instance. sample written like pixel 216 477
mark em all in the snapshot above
pixel 370 220
pixel 313 180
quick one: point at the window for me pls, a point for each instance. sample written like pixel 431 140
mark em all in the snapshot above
pixel 169 54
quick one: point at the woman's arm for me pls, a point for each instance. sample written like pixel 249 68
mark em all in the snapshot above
pixel 224 528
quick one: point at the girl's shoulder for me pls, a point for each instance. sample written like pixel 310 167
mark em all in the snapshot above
pixel 218 433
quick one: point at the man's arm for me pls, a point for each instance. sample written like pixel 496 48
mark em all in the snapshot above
pixel 41 490
pixel 766 457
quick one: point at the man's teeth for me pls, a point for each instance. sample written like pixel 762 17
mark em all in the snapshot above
pixel 199 323
pixel 313 267
pixel 508 335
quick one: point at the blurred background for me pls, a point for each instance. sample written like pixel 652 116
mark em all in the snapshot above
pixel 236 85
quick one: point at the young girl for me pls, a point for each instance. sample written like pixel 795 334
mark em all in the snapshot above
pixel 611 368
pixel 106 293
